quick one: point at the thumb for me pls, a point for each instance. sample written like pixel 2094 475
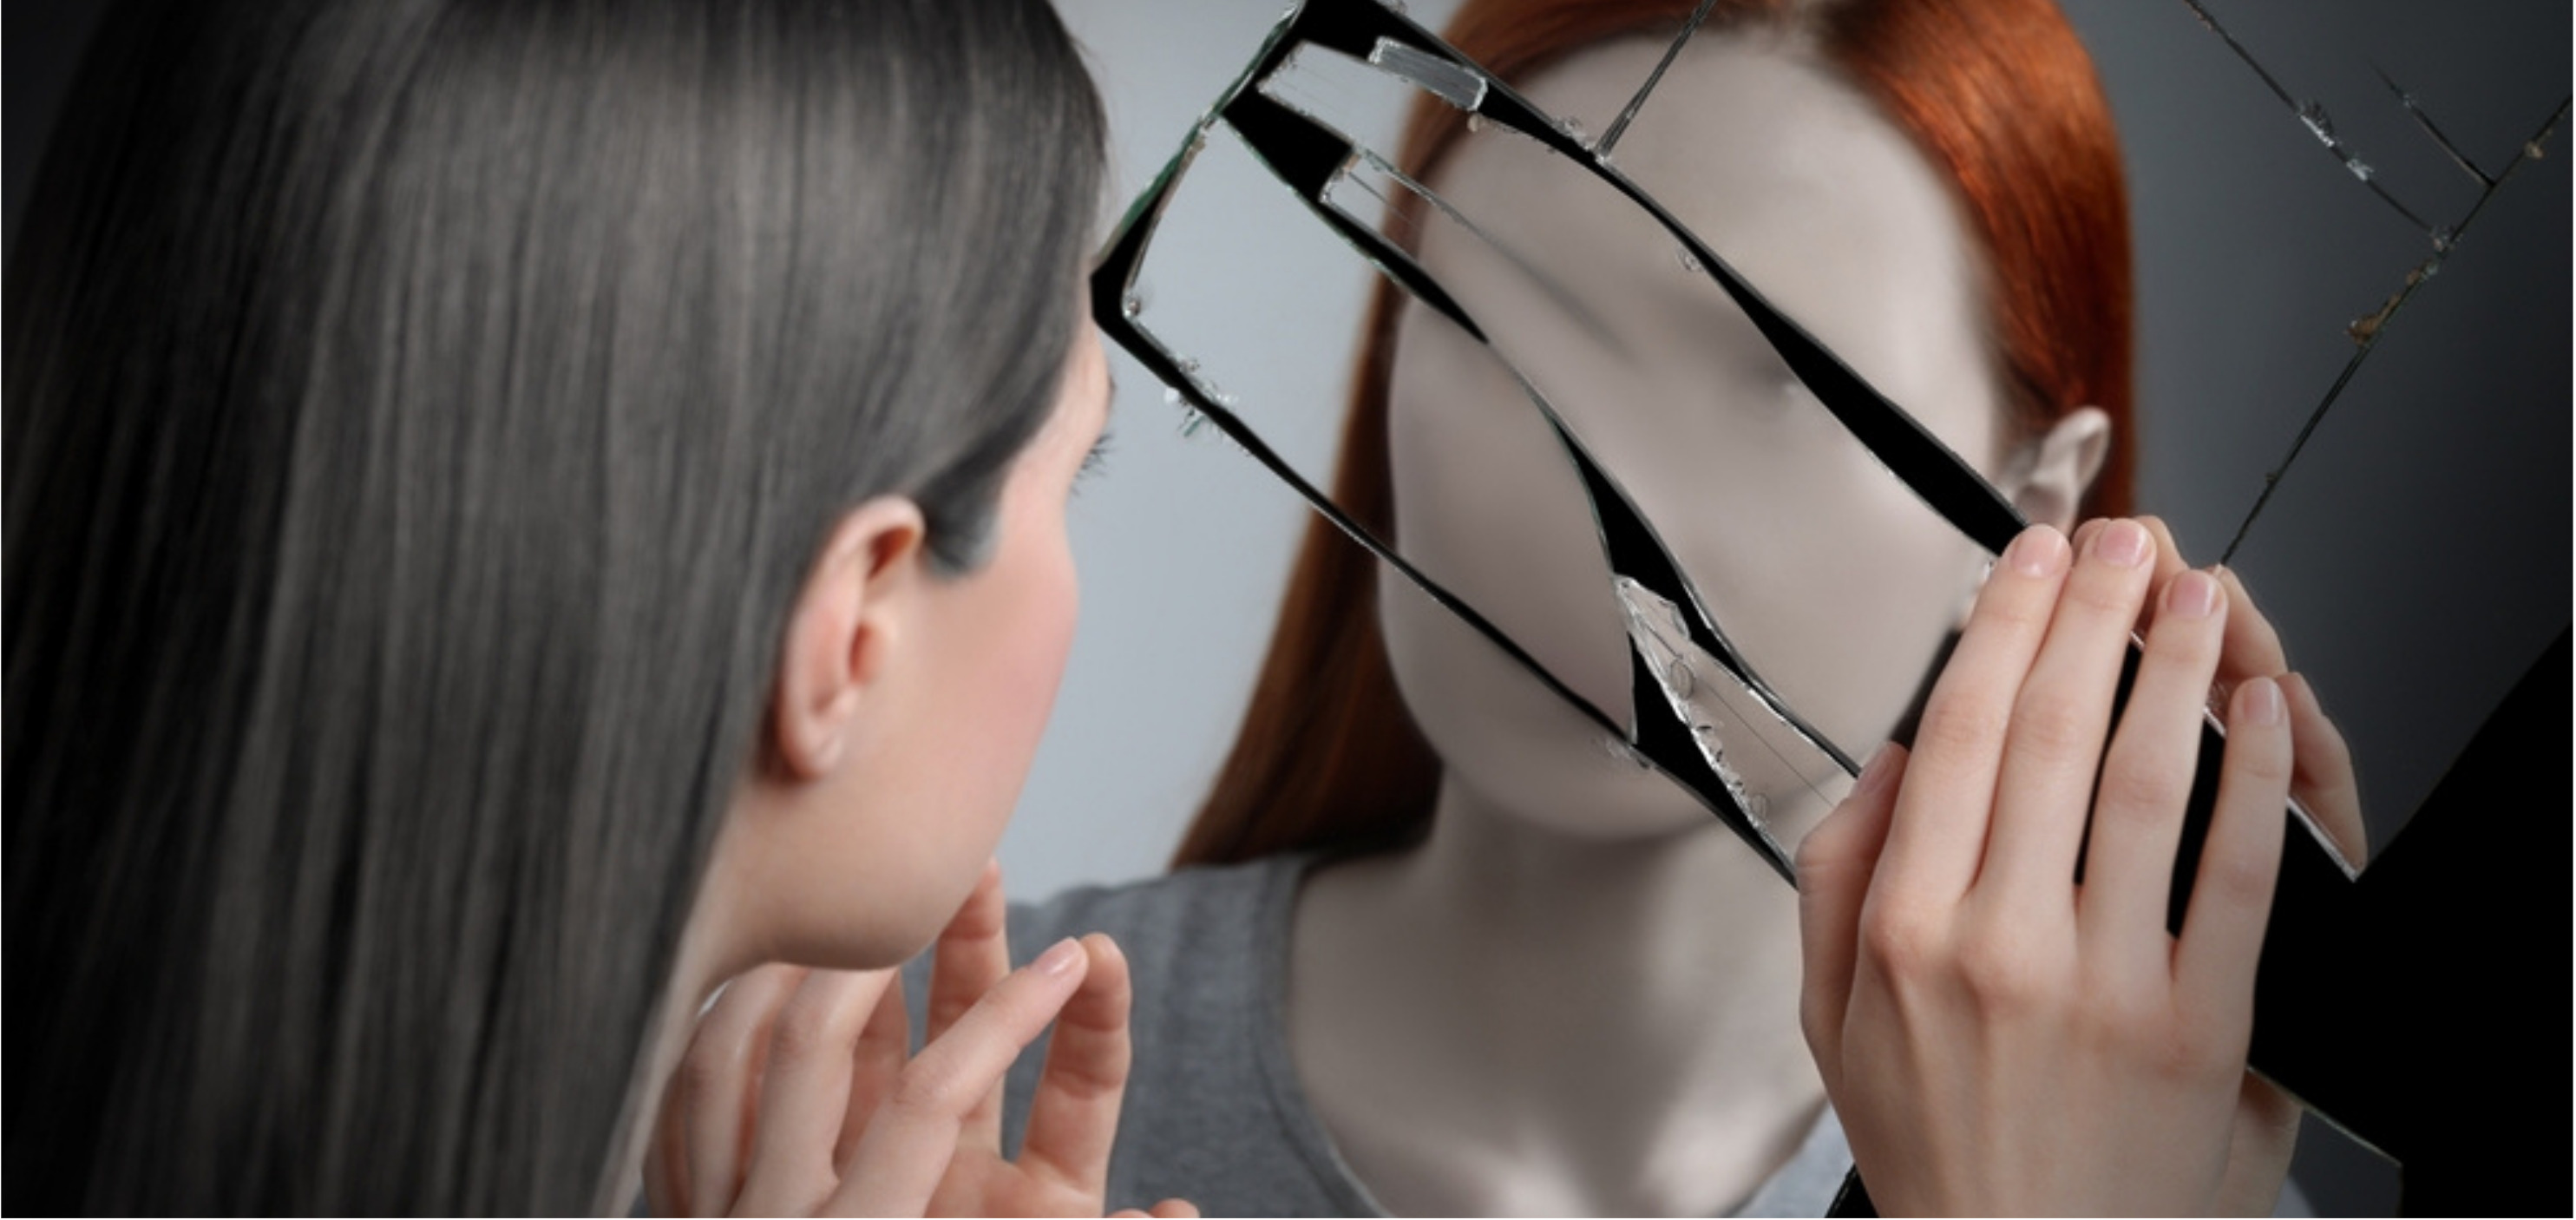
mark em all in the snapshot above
pixel 1834 868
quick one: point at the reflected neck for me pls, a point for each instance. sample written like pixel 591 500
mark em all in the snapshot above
pixel 1615 1018
pixel 1692 920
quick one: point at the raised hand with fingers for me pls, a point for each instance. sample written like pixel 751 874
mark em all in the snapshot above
pixel 2266 1128
pixel 1997 1038
pixel 798 1095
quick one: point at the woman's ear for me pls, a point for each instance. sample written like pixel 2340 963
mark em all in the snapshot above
pixel 852 612
pixel 2062 465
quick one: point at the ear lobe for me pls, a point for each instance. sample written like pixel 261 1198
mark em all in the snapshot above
pixel 849 615
pixel 2063 463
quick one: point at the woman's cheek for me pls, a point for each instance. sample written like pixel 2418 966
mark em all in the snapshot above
pixel 1052 609
pixel 1039 605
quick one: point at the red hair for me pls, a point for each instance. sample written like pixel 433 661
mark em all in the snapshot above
pixel 2001 97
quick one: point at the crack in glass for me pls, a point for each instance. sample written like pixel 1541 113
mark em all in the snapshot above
pixel 1697 705
pixel 2366 330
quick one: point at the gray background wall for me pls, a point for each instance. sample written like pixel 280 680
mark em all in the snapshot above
pixel 2413 558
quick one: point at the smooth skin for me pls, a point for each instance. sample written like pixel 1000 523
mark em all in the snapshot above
pixel 1532 1011
pixel 1528 1013
pixel 868 817
pixel 1997 1038
pixel 799 1094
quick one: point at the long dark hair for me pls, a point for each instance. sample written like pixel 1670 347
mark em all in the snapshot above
pixel 420 416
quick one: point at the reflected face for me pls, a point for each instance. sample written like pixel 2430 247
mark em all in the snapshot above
pixel 1831 579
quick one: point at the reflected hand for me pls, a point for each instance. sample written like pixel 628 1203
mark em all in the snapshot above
pixel 1996 1038
pixel 797 1095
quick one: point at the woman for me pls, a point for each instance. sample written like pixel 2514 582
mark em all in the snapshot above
pixel 1468 961
pixel 508 508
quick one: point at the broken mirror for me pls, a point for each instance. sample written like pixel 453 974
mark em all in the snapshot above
pixel 1693 468
pixel 1688 472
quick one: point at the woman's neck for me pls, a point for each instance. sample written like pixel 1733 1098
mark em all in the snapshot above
pixel 700 966
pixel 1511 1018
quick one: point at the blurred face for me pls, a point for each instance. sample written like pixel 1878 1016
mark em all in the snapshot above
pixel 1832 580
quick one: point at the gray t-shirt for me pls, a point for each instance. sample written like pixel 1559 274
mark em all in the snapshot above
pixel 1214 1113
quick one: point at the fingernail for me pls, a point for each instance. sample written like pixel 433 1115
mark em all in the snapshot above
pixel 2258 700
pixel 2191 595
pixel 2040 551
pixel 1874 773
pixel 2121 544
pixel 1060 958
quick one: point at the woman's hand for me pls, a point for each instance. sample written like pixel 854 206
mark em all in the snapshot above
pixel 798 1097
pixel 1996 1038
pixel 2321 776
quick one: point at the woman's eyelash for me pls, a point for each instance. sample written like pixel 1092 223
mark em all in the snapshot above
pixel 1093 462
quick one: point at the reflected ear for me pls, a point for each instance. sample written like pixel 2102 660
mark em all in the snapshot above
pixel 2061 467
pixel 851 613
